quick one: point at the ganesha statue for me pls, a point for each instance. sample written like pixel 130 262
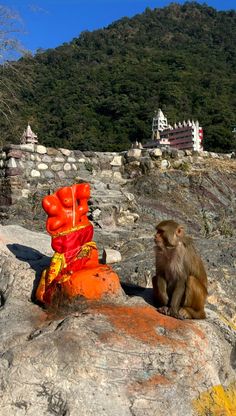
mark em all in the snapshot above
pixel 74 269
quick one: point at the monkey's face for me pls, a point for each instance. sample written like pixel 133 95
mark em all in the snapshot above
pixel 159 239
pixel 168 234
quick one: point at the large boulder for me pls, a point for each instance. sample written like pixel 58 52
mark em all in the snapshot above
pixel 88 358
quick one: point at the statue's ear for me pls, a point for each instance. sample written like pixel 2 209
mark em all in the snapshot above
pixel 82 190
pixel 180 231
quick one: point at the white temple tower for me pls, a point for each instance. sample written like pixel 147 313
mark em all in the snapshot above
pixel 183 135
pixel 159 123
pixel 28 136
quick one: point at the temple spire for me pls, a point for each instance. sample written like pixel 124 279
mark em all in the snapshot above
pixel 28 136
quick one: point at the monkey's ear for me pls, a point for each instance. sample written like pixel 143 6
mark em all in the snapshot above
pixel 180 231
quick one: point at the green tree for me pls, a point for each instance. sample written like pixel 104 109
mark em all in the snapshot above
pixel 100 90
pixel 11 78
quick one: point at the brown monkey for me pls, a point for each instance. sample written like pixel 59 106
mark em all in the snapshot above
pixel 180 284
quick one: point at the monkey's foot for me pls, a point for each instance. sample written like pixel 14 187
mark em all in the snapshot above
pixel 164 310
pixel 184 314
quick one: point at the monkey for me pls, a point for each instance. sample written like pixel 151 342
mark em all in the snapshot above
pixel 180 284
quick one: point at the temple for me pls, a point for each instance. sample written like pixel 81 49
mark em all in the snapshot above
pixel 184 136
pixel 28 136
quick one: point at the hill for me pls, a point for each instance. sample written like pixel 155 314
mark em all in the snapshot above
pixel 100 91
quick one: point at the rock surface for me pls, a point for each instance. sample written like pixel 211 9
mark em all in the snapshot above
pixel 121 358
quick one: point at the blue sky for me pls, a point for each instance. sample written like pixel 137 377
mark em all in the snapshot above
pixel 49 23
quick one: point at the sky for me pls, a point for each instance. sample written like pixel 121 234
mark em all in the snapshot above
pixel 49 23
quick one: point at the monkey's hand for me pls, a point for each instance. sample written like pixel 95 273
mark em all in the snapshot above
pixel 165 310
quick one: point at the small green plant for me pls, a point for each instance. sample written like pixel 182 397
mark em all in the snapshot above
pixel 225 227
pixel 186 167
pixel 207 223
pixel 88 166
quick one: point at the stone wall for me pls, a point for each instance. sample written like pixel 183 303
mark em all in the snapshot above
pixel 28 172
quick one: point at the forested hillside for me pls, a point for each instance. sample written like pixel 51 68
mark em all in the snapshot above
pixel 100 91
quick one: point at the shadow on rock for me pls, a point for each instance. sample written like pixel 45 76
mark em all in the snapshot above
pixel 136 290
pixel 37 261
pixel 233 357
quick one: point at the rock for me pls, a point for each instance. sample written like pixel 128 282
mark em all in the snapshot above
pixel 165 164
pixel 132 169
pixel 213 155
pixel 47 159
pixel 166 151
pixel 188 159
pixel 156 153
pixel 42 166
pixel 16 154
pixel 227 156
pixel 67 167
pixel 49 175
pixel 3 155
pixel 41 149
pixel 56 167
pixel 28 147
pixel 61 174
pixel 128 356
pixel 59 159
pixel 127 217
pixel 12 234
pixel 11 163
pixel 117 177
pixel 130 197
pixel 110 256
pixel 124 358
pixel 177 164
pixel 52 152
pixel 174 153
pixel 117 161
pixel 134 153
pixel 30 164
pixel 96 214
pixel 65 152
pixel 13 171
pixel 35 173
pixel 146 164
pixel 25 193
pixel 106 174
pixel 204 154
pixel 100 186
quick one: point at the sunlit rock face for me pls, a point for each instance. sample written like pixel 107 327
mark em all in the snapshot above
pixel 120 357
pixel 88 357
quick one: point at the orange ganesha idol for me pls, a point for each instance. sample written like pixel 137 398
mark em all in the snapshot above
pixel 74 269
